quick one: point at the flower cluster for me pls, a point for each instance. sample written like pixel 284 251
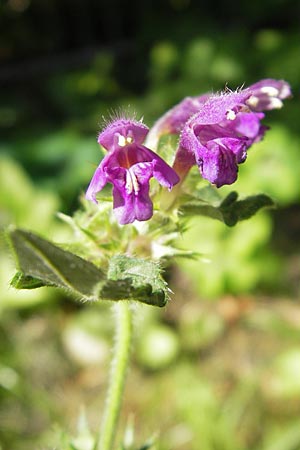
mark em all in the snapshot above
pixel 216 130
pixel 217 136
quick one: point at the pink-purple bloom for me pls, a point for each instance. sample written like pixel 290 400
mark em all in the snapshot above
pixel 268 94
pixel 173 120
pixel 128 166
pixel 219 134
pixel 264 95
pixel 216 130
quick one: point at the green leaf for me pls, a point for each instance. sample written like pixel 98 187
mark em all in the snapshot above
pixel 147 446
pixel 21 281
pixel 166 146
pixel 234 210
pixel 43 263
pixel 200 208
pixel 230 210
pixel 136 279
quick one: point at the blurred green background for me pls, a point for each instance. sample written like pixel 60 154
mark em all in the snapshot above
pixel 220 367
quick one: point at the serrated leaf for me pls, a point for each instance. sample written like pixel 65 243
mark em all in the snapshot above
pixel 230 210
pixel 41 261
pixel 136 279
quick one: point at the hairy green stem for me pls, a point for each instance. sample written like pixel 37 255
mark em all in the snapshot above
pixel 117 375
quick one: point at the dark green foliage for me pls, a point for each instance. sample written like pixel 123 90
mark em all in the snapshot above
pixel 42 263
pixel 53 266
pixel 142 278
pixel 230 210
pixel 21 281
pixel 234 210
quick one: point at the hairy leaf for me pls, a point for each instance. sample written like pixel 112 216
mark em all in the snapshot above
pixel 140 279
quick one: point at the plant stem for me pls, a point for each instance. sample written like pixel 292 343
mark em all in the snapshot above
pixel 117 375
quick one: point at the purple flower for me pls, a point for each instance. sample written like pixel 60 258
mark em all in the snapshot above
pixel 268 94
pixel 217 137
pixel 128 166
pixel 173 120
pixel 264 95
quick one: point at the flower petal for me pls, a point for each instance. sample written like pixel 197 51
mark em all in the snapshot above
pixel 267 94
pixel 123 206
pixel 248 124
pixel 164 174
pixel 173 120
pixel 215 108
pixel 217 164
pixel 141 173
pixel 131 195
pixel 97 183
pixel 120 132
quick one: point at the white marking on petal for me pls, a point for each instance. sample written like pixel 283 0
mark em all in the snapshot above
pixel 230 115
pixel 270 91
pixel 285 91
pixel 121 141
pixel 131 182
pixel 275 103
pixel 253 101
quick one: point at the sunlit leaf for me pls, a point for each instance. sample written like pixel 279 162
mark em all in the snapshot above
pixel 39 259
pixel 42 263
pixel 230 210
pixel 21 281
pixel 135 278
